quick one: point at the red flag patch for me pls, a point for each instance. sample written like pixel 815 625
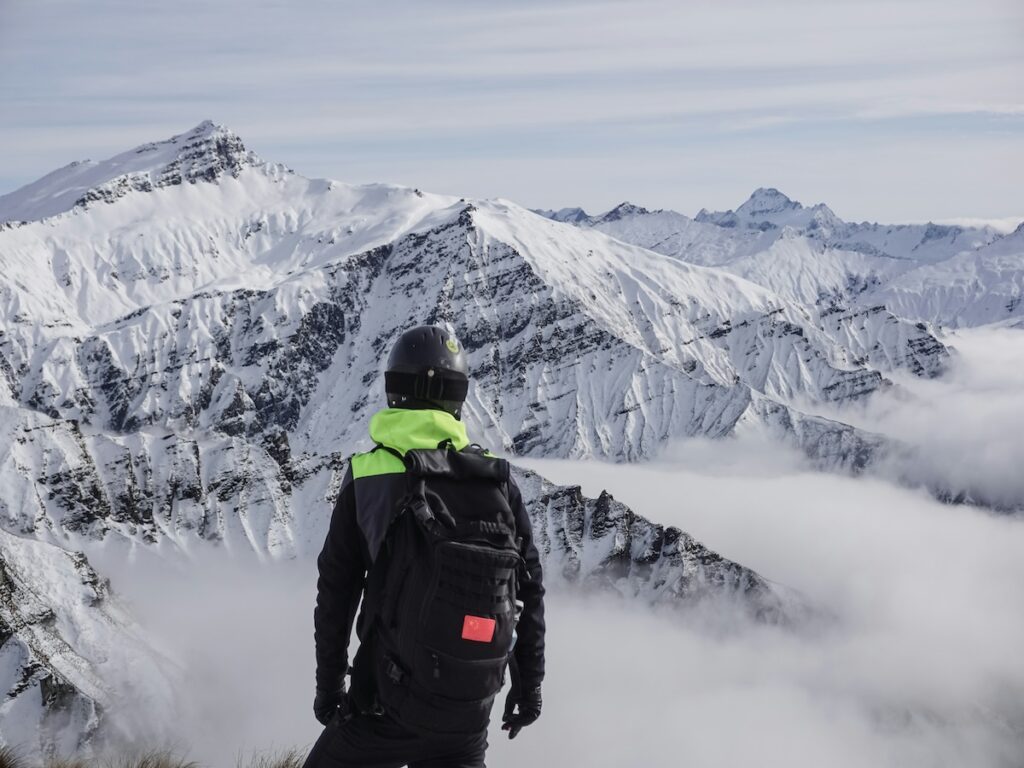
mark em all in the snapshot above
pixel 478 629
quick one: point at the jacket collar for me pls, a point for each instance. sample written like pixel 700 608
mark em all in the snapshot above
pixel 404 429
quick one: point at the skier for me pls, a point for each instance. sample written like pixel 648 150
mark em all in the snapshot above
pixel 432 533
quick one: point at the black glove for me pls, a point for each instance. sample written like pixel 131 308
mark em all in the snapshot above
pixel 528 702
pixel 327 704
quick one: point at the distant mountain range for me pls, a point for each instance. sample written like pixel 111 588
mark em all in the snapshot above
pixel 191 343
pixel 943 275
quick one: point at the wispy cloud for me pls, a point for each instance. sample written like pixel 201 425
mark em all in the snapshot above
pixel 353 86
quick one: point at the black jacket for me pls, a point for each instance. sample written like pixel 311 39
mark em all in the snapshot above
pixel 361 516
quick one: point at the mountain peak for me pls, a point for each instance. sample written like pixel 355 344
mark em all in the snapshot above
pixel 567 215
pixel 622 210
pixel 208 126
pixel 768 209
pixel 206 153
pixel 202 154
pixel 767 200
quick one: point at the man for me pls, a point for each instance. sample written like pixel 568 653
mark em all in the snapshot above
pixel 433 535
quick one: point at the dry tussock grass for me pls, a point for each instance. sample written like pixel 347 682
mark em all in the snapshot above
pixel 157 759
pixel 10 757
pixel 289 758
pixel 67 762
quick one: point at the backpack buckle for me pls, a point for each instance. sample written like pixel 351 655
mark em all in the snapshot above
pixel 421 510
pixel 394 672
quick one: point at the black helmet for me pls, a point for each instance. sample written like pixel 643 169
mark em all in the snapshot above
pixel 427 369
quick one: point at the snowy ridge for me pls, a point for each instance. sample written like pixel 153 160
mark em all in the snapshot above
pixel 205 153
pixel 603 544
pixel 699 338
pixel 69 655
pixel 826 442
pixel 50 689
pixel 939 274
pixel 769 210
pixel 972 287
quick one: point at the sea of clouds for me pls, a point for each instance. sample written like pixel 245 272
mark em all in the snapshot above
pixel 966 428
pixel 918 661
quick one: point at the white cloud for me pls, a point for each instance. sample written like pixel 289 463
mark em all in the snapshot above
pixel 966 428
pixel 241 634
pixel 1005 225
pixel 920 668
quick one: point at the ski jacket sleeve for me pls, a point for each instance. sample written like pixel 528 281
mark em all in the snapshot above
pixel 529 650
pixel 342 564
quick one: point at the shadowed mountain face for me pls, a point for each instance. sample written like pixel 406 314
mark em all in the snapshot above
pixel 190 347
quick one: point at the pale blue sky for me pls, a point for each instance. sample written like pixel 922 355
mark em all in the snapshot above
pixel 898 110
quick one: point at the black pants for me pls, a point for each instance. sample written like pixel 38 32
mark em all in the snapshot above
pixel 377 741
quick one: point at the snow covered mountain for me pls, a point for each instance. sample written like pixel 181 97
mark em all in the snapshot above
pixel 944 275
pixel 212 303
pixel 190 346
pixel 73 665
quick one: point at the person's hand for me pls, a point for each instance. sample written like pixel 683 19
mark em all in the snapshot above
pixel 527 702
pixel 326 704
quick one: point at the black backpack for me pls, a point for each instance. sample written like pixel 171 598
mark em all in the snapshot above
pixel 441 595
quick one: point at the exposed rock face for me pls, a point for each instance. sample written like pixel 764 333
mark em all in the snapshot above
pixel 603 544
pixel 827 443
